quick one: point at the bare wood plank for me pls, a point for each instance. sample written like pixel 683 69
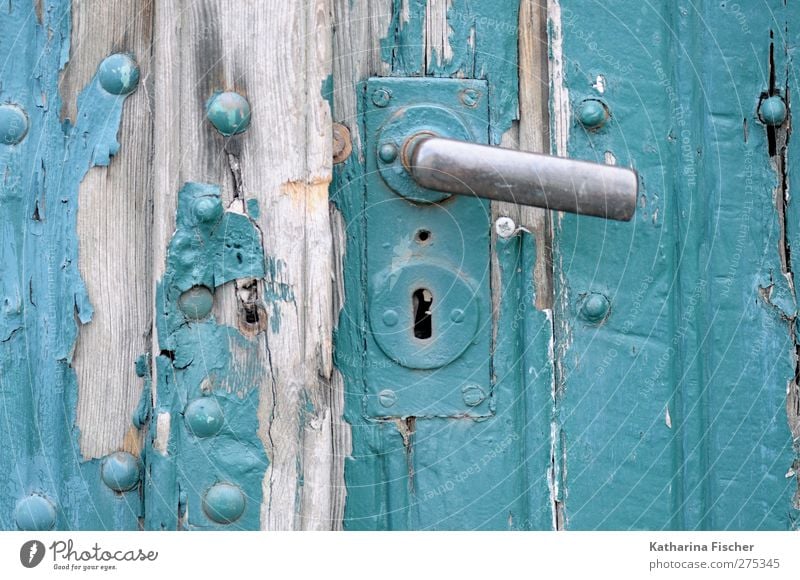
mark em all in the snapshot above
pixel 534 131
pixel 114 216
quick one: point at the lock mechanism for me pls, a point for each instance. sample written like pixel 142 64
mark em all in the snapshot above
pixel 428 344
pixel 429 174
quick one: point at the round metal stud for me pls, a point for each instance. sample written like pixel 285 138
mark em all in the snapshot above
pixel 387 398
pixel 772 111
pixel 592 113
pixel 224 503
pixel 388 152
pixel 35 513
pixel 208 209
pixel 120 471
pixel 473 395
pixel 390 317
pixel 381 97
pixel 229 112
pixel 118 74
pixel 13 124
pixel 595 307
pixel 457 315
pixel 203 416
pixel 196 303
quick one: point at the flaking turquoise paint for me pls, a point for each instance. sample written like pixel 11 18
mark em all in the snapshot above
pixel 209 249
pixel 483 38
pixel 43 297
pixel 452 473
pixel 673 411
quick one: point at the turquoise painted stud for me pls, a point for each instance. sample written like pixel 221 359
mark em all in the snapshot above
pixel 118 74
pixel 390 317
pixel 473 395
pixel 381 97
pixel 203 416
pixel 208 209
pixel 35 513
pixel 229 112
pixel 120 471
pixel 470 98
pixel 388 152
pixel 457 315
pixel 772 111
pixel 196 303
pixel 224 503
pixel 13 124
pixel 592 114
pixel 387 398
pixel 595 307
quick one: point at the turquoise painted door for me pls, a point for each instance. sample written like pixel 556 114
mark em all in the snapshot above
pixel 262 321
pixel 659 390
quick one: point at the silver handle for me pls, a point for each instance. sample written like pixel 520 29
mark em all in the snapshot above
pixel 514 176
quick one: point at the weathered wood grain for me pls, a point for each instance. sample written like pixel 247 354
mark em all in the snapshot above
pixel 114 218
pixel 277 54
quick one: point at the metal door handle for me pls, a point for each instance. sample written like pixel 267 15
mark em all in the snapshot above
pixel 514 176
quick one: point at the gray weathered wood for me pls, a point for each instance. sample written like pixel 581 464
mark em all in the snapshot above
pixel 278 55
pixel 114 216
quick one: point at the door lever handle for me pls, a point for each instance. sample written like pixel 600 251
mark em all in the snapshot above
pixel 534 179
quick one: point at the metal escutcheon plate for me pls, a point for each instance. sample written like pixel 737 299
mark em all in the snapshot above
pixel 454 316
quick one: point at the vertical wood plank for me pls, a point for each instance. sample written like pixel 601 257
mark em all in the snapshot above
pixel 114 219
pixel 277 55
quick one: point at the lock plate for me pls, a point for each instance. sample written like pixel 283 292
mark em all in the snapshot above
pixel 428 338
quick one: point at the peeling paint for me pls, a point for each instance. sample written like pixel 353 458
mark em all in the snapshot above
pixel 481 44
pixel 43 298
pixel 210 248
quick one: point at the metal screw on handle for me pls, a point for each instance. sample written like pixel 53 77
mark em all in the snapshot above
pixel 524 178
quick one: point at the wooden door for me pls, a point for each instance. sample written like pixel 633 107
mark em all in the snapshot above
pixel 189 233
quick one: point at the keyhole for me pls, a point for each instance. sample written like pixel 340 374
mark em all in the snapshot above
pixel 422 302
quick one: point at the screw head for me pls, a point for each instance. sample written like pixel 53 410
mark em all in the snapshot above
pixel 342 143
pixel 229 113
pixel 387 398
pixel 772 110
pixel 595 307
pixel 224 503
pixel 473 395
pixel 118 74
pixel 457 315
pixel 196 303
pixel 505 227
pixel 13 124
pixel 203 416
pixel 120 471
pixel 381 97
pixel 388 152
pixel 592 113
pixel 470 98
pixel 390 317
pixel 208 209
pixel 35 513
